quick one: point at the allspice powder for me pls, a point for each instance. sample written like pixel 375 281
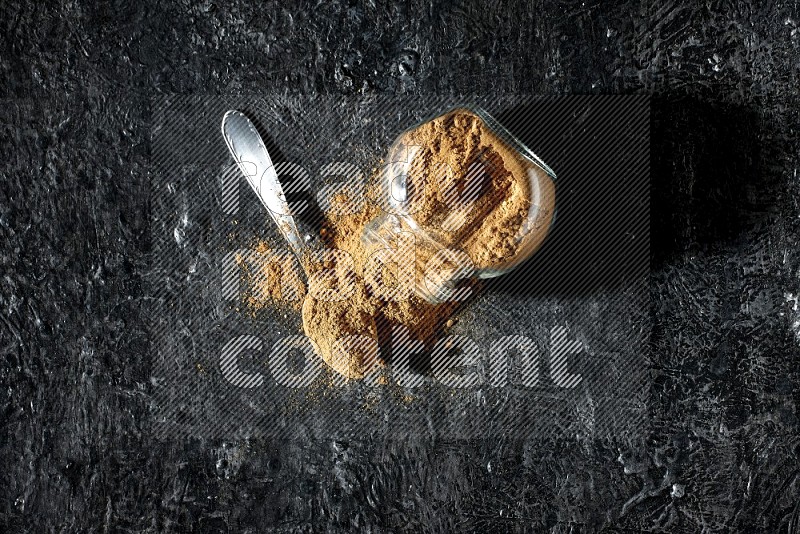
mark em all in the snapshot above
pixel 471 190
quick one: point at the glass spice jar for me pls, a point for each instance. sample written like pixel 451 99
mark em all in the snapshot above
pixel 477 201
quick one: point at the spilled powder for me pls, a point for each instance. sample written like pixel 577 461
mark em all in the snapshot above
pixel 272 278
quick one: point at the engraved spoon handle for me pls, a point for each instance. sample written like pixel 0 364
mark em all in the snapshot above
pixel 251 155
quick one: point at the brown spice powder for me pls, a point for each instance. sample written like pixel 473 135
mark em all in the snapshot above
pixel 473 190
pixel 273 278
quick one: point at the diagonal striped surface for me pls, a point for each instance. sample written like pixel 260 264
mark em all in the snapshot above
pixel 555 347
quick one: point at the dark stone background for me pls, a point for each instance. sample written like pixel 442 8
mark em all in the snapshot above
pixel 77 453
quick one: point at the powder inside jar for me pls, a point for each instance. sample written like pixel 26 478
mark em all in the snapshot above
pixel 470 190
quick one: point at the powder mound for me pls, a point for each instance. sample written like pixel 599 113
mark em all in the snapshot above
pixel 336 316
pixel 345 335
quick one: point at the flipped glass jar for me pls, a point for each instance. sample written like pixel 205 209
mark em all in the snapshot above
pixel 476 200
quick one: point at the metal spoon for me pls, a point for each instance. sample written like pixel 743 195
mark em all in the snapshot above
pixel 250 153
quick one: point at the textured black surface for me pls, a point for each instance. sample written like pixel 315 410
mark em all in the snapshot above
pixel 77 448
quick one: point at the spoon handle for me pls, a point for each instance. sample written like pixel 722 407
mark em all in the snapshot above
pixel 251 155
